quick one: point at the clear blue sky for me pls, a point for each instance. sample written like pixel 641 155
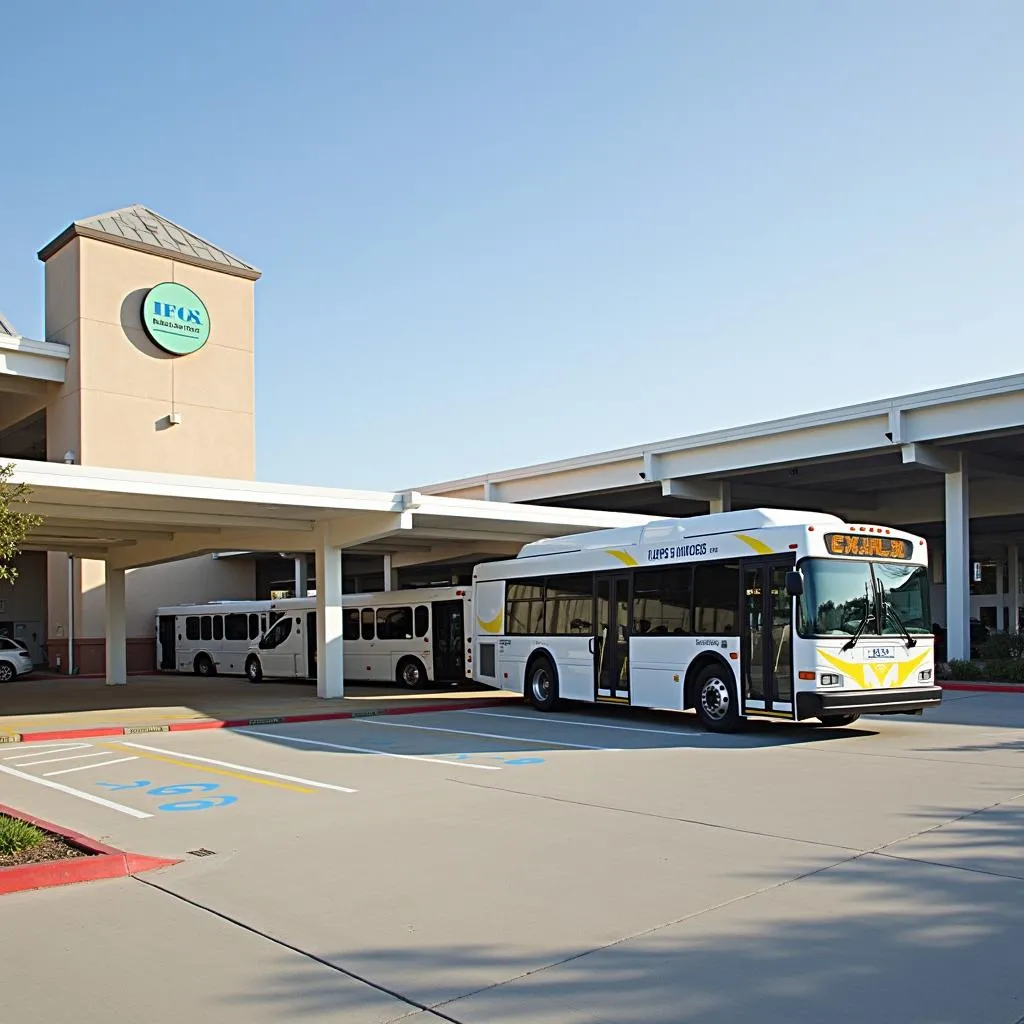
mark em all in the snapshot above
pixel 494 233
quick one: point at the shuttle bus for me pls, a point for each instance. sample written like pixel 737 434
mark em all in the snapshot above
pixel 413 637
pixel 753 614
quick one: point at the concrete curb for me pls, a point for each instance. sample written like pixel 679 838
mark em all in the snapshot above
pixel 239 723
pixel 102 862
pixel 983 687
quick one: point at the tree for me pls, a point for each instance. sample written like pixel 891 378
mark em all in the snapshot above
pixel 15 524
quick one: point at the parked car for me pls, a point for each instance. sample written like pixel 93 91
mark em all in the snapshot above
pixel 14 660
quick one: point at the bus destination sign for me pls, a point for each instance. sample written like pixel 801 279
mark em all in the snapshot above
pixel 867 545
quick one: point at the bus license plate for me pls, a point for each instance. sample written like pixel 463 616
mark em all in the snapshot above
pixel 879 653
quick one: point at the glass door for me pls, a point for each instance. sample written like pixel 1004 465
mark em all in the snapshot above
pixel 611 645
pixel 767 639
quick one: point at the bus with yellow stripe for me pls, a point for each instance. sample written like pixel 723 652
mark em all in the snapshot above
pixel 764 613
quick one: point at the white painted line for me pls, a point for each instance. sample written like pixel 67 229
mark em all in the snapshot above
pixel 61 788
pixel 82 767
pixel 370 750
pixel 239 767
pixel 548 720
pixel 63 748
pixel 486 735
pixel 54 760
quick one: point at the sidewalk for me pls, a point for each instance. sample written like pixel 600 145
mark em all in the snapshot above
pixel 36 709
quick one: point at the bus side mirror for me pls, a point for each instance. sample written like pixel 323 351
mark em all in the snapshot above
pixel 794 583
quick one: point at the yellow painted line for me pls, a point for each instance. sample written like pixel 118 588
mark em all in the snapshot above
pixel 203 768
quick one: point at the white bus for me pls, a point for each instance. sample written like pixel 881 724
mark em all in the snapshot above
pixel 413 637
pixel 210 638
pixel 753 614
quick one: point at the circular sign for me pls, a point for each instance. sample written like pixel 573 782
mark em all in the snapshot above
pixel 175 318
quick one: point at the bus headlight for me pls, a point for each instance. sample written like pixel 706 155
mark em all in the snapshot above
pixel 925 675
pixel 830 679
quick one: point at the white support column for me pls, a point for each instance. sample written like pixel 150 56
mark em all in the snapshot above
pixel 301 575
pixel 330 662
pixel 1000 598
pixel 958 597
pixel 117 653
pixel 723 503
pixel 1013 556
pixel 389 573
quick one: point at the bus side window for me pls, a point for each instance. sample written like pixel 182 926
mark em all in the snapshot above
pixel 236 627
pixel 422 620
pixel 254 626
pixel 206 624
pixel 192 627
pixel 368 617
pixel 218 627
pixel 350 630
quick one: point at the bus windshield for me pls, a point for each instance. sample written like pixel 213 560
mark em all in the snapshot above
pixel 837 596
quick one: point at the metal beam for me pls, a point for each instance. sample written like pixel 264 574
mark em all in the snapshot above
pixel 941 460
pixel 200 521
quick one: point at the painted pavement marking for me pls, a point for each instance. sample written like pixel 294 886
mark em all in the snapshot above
pixel 485 735
pixel 83 767
pixel 61 788
pixel 369 750
pixel 548 720
pixel 54 760
pixel 171 755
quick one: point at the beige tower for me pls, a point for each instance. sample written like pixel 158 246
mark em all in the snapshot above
pixel 160 379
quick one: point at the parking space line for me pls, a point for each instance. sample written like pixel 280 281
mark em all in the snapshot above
pixel 95 764
pixel 61 788
pixel 370 750
pixel 60 749
pixel 217 771
pixel 239 767
pixel 486 735
pixel 54 760
pixel 547 720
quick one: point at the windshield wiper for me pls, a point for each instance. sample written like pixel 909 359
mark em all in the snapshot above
pixel 868 614
pixel 888 609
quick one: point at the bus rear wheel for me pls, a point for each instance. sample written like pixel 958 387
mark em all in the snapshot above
pixel 411 673
pixel 716 703
pixel 254 670
pixel 204 666
pixel 837 721
pixel 542 685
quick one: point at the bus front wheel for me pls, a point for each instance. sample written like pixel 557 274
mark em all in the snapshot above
pixel 716 700
pixel 542 685
pixel 837 721
pixel 411 673
pixel 204 666
pixel 254 670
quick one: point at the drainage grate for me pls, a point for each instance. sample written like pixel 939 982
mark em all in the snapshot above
pixel 201 852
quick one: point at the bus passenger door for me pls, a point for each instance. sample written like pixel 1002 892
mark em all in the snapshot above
pixel 767 658
pixel 167 636
pixel 449 643
pixel 611 645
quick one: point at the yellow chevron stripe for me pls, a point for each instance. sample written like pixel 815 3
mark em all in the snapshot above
pixel 758 545
pixel 623 556
pixel 491 625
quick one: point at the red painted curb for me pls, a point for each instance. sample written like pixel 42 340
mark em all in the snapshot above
pixel 984 687
pixel 104 862
pixel 242 723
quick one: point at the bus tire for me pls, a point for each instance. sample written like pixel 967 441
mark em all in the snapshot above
pixel 715 697
pixel 204 666
pixel 542 684
pixel 411 673
pixel 254 670
pixel 837 721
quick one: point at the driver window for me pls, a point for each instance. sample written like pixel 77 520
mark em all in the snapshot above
pixel 277 636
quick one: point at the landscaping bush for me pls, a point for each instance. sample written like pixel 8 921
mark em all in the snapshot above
pixel 17 836
pixel 1010 670
pixel 1002 646
pixel 964 670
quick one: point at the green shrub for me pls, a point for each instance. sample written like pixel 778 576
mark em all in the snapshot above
pixel 1001 646
pixel 1010 670
pixel 16 835
pixel 964 670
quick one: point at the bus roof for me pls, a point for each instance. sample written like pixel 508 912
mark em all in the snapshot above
pixel 693 526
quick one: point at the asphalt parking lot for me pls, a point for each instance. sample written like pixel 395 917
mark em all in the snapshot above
pixel 491 866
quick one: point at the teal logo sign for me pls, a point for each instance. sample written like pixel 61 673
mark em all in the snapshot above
pixel 175 319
